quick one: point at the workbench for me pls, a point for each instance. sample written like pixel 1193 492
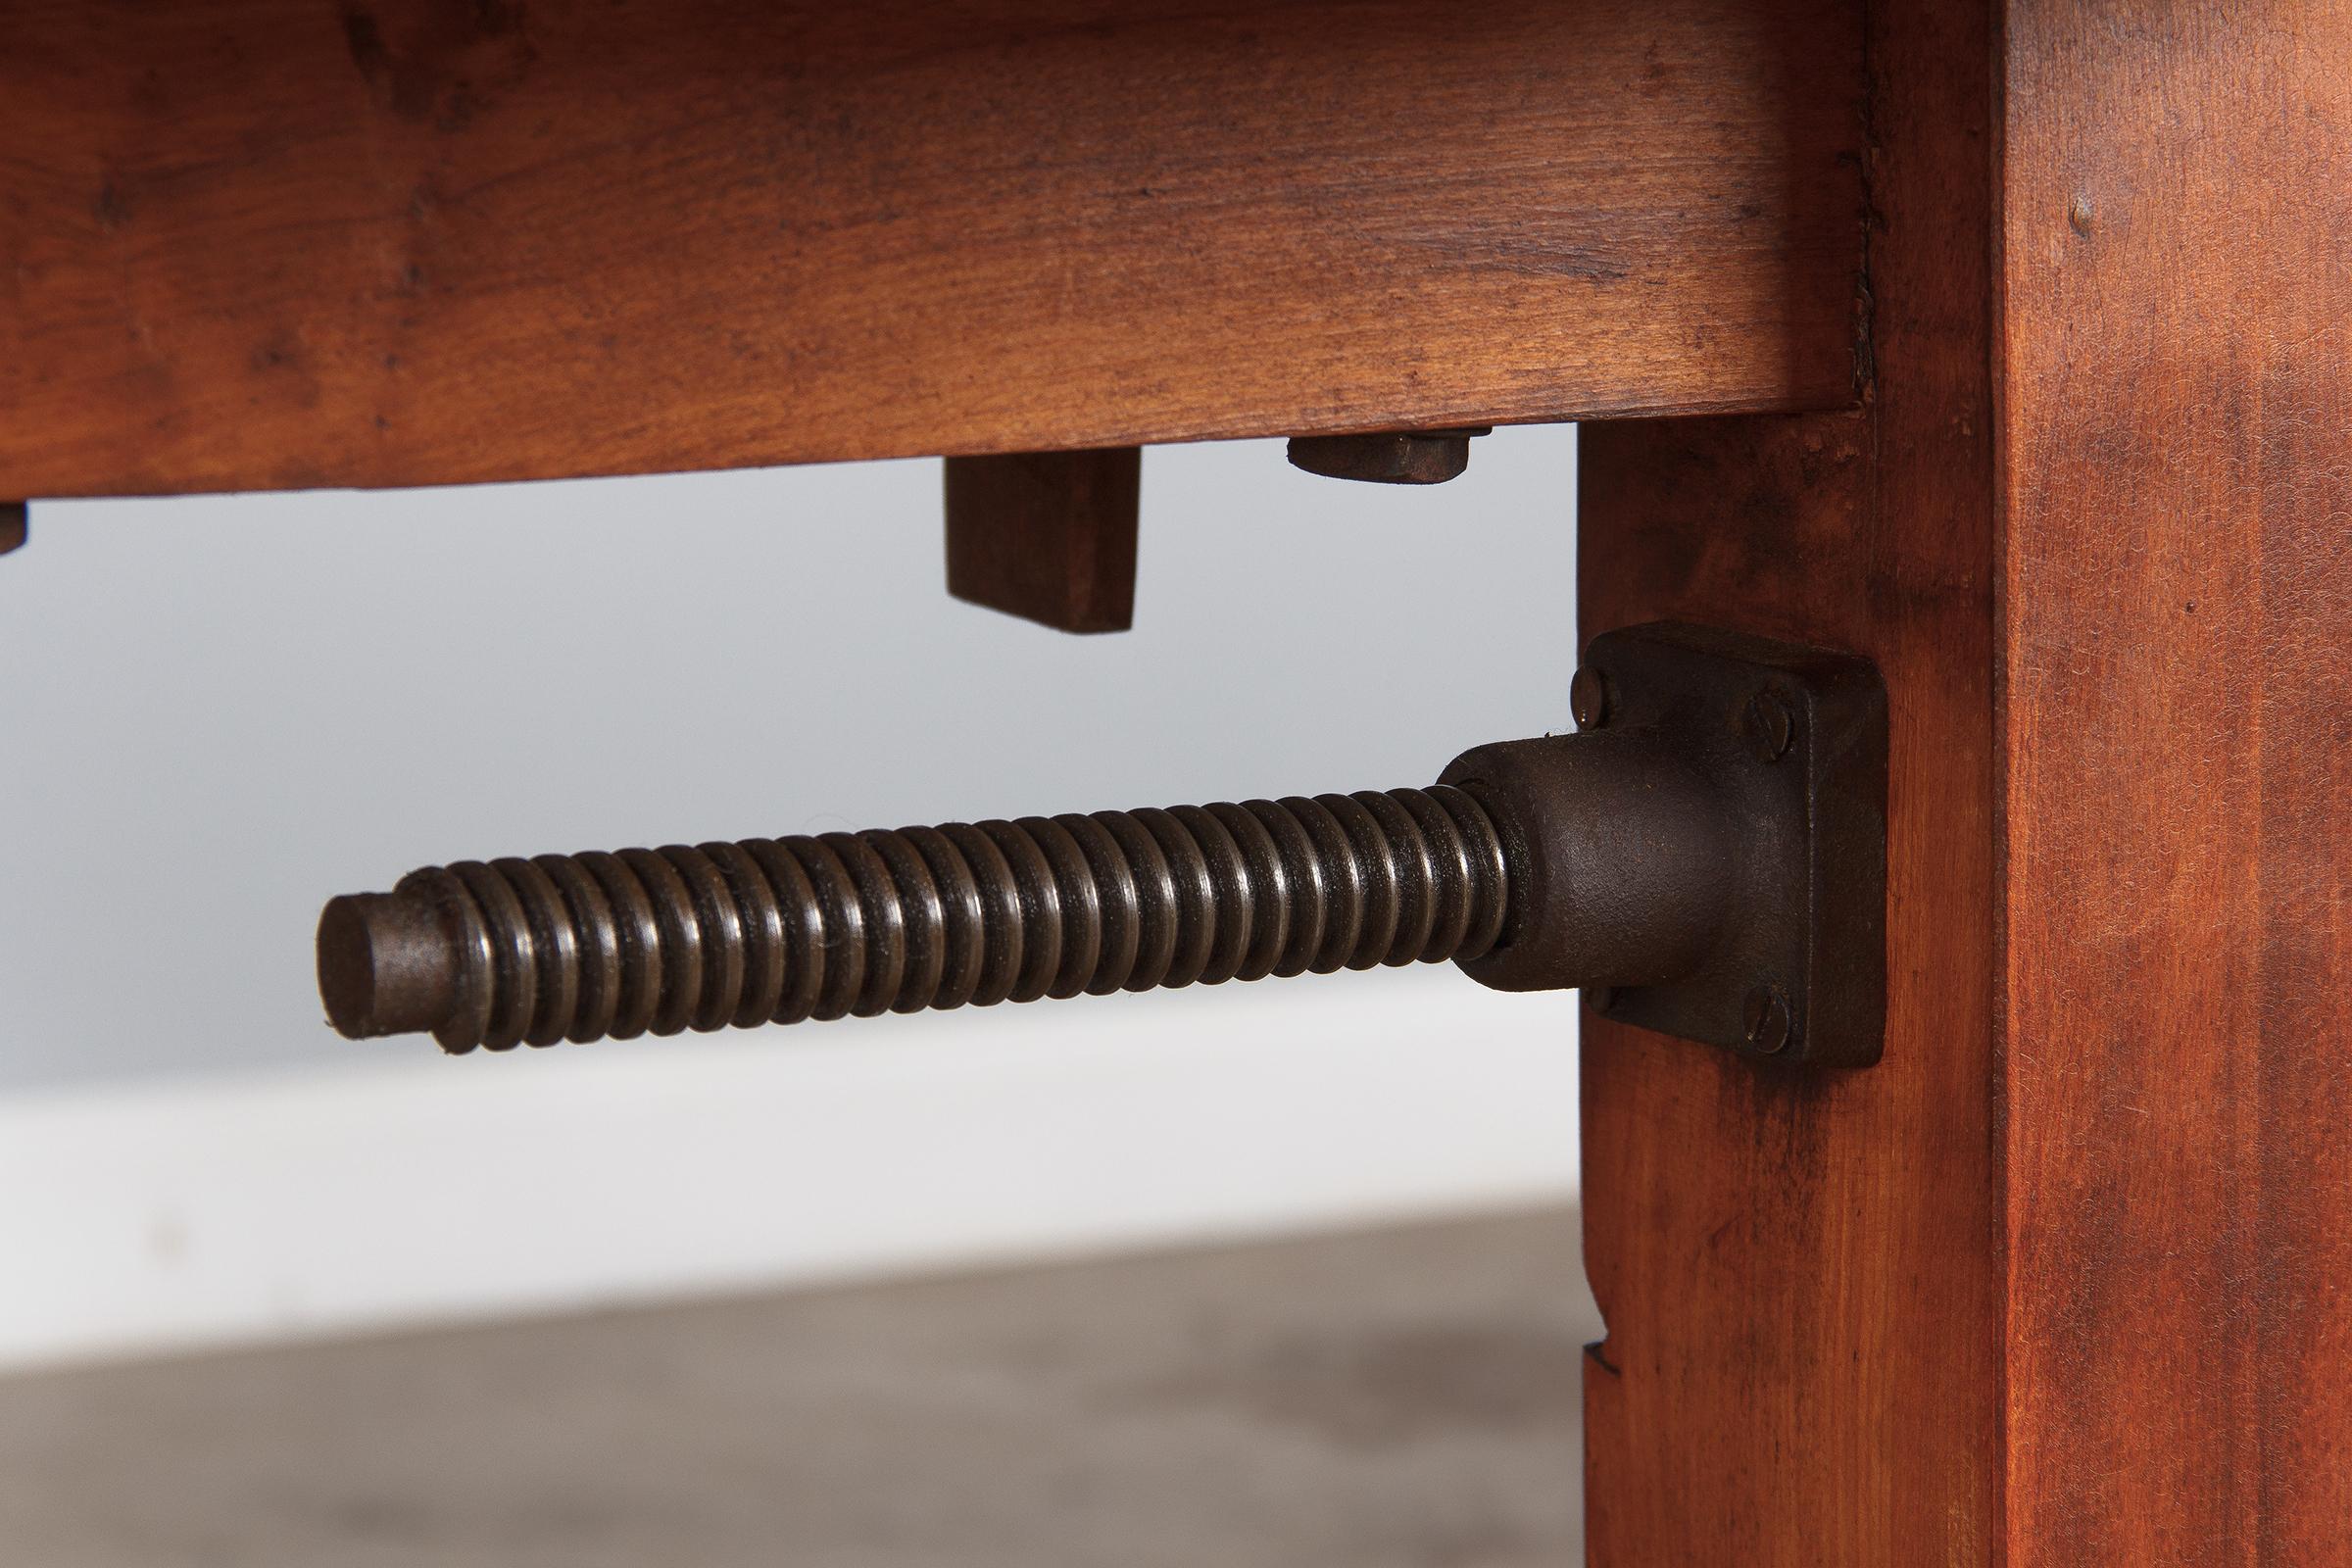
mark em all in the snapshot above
pixel 2005 343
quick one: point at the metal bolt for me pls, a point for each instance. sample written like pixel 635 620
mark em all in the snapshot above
pixel 1600 999
pixel 1770 724
pixel 1589 697
pixel 1397 457
pixel 1765 1018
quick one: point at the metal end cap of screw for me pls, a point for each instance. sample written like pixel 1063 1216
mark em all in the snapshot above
pixel 384 965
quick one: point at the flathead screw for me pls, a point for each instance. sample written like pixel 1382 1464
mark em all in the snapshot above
pixel 1766 1018
pixel 1589 697
pixel 1770 724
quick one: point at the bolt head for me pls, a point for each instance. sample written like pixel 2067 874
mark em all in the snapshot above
pixel 1770 725
pixel 1600 998
pixel 1766 1020
pixel 1589 697
pixel 1398 457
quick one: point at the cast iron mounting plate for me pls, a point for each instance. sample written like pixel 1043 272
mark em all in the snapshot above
pixel 1794 739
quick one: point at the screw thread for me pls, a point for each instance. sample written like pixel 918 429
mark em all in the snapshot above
pixel 585 947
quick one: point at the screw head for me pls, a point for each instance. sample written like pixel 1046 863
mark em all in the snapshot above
pixel 1770 724
pixel 1600 998
pixel 1589 697
pixel 1765 1016
pixel 1398 457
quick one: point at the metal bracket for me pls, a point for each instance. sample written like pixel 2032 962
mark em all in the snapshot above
pixel 1792 741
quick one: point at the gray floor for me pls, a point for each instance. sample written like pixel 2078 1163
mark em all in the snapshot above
pixel 1390 1398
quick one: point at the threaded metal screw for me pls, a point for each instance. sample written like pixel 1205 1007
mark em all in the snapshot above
pixel 584 946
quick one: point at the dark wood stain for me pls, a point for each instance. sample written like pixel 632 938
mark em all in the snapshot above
pixel 668 234
pixel 1049 536
pixel 2178 783
pixel 2062 1281
pixel 1799 1274
pixel 450 57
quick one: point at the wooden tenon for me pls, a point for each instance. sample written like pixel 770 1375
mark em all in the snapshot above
pixel 1046 535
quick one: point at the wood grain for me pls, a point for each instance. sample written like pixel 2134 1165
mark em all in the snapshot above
pixel 1800 1271
pixel 279 243
pixel 1049 536
pixel 2178 784
pixel 2064 1280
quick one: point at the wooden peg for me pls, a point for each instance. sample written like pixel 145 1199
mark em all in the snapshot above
pixel 1049 536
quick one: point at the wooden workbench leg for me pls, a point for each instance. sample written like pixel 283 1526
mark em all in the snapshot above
pixel 2066 1281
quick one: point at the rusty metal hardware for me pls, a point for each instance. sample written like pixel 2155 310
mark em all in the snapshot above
pixel 1395 456
pixel 1792 746
pixel 1697 885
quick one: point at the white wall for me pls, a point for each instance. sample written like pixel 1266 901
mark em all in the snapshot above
pixel 217 712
